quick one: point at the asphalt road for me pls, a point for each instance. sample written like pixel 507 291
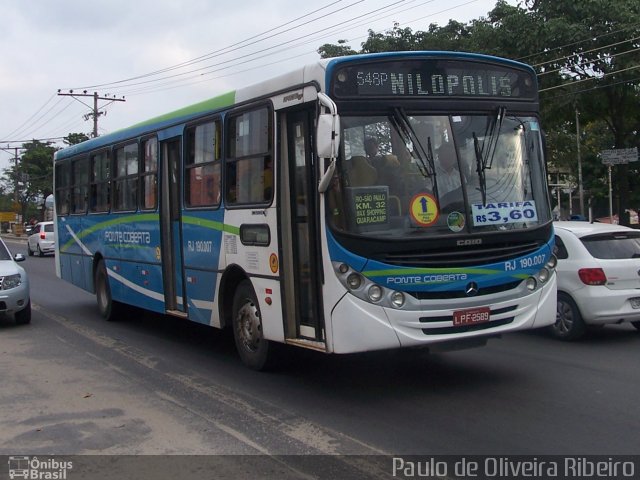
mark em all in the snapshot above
pixel 75 384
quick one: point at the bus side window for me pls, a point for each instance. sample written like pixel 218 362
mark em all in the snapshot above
pixel 149 175
pixel 202 165
pixel 249 165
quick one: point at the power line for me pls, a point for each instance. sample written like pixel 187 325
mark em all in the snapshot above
pixel 621 82
pixel 226 49
pixel 244 59
pixel 590 78
pixel 590 39
pixel 586 51
pixel 586 62
pixel 95 112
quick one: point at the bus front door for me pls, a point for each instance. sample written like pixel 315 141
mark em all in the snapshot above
pixel 302 277
pixel 171 233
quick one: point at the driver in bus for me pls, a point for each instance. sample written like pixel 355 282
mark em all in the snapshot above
pixel 387 166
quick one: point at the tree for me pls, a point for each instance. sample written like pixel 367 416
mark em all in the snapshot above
pixel 341 50
pixel 75 138
pixel 33 174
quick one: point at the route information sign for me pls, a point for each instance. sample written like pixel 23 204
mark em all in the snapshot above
pixel 619 156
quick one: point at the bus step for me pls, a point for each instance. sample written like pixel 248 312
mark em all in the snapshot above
pixel 177 313
pixel 310 344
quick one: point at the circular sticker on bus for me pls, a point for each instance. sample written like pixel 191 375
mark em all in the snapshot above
pixel 424 209
pixel 455 221
pixel 273 262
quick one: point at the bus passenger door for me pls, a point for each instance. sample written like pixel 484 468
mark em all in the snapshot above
pixel 171 231
pixel 302 278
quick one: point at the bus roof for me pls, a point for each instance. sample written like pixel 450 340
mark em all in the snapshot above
pixel 315 72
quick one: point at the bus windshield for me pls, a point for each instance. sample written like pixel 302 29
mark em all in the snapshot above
pixel 410 175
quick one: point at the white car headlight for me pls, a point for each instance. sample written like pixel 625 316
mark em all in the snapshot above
pixel 11 281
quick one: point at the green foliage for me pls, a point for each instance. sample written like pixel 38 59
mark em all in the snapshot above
pixel 33 175
pixel 75 138
pixel 341 50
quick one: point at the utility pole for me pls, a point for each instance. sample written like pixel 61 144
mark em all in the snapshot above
pixel 15 188
pixel 95 112
pixel 580 189
pixel 15 162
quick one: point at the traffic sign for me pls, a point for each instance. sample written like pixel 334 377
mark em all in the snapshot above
pixel 619 156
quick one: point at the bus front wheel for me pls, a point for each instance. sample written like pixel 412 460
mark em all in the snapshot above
pixel 253 348
pixel 106 305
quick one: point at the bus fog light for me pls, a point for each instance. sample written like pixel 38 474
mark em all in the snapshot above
pixel 531 283
pixel 397 298
pixel 375 293
pixel 343 268
pixel 543 275
pixel 354 281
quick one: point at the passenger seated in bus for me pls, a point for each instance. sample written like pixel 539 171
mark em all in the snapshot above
pixel 387 166
pixel 361 172
pixel 267 181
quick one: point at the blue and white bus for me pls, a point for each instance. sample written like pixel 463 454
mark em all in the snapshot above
pixel 360 203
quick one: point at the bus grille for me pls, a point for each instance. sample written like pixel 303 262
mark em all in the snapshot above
pixel 462 294
pixel 459 257
pixel 467 328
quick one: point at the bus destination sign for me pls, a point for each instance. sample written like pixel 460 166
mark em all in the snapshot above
pixel 434 78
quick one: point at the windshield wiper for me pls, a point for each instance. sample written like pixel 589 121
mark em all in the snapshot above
pixel 480 168
pixel 401 121
pixel 484 155
pixel 494 135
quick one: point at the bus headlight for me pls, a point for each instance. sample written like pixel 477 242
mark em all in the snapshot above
pixel 552 262
pixel 364 288
pixel 375 293
pixel 531 283
pixel 354 281
pixel 397 299
pixel 543 275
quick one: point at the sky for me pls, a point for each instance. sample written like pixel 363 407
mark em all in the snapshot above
pixel 161 55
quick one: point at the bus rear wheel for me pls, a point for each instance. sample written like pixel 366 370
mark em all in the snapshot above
pixel 253 348
pixel 106 306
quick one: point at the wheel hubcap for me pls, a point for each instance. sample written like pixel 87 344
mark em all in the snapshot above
pixel 564 318
pixel 249 327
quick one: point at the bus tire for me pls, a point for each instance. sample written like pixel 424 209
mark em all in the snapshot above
pixel 106 306
pixel 253 348
pixel 569 323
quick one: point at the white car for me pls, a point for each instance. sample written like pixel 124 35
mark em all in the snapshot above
pixel 42 239
pixel 598 276
pixel 14 286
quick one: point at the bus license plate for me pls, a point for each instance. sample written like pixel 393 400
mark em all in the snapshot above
pixel 471 316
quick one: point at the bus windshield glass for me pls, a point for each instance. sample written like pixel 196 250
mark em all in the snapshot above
pixel 405 175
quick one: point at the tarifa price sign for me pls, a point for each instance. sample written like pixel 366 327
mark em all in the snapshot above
pixel 504 212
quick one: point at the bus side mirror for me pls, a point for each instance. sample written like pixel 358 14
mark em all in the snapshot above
pixel 327 139
pixel 328 135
